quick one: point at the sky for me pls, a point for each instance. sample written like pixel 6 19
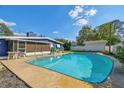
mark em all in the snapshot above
pixel 57 21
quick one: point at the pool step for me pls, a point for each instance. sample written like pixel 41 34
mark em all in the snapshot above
pixel 53 64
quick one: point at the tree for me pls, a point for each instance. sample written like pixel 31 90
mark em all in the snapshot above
pixel 61 40
pixel 120 54
pixel 107 32
pixel 85 34
pixel 5 30
pixel 66 43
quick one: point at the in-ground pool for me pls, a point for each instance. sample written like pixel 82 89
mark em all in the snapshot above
pixel 88 67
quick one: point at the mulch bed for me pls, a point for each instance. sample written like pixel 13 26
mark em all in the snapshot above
pixel 9 80
pixel 105 84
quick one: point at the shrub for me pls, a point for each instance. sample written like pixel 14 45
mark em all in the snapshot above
pixel 120 54
pixel 53 50
pixel 67 45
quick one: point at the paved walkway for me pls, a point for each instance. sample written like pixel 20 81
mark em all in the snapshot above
pixel 42 78
pixel 117 75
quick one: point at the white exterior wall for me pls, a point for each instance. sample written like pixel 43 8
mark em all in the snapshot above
pixel 91 46
pixel 114 48
pixel 77 48
pixel 38 53
pixel 95 47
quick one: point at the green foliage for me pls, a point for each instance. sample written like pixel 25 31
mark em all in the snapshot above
pixel 66 43
pixel 107 31
pixel 85 34
pixel 5 30
pixel 61 40
pixel 103 32
pixel 120 54
pixel 53 50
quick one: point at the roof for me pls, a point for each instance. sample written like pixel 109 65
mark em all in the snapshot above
pixel 33 38
pixel 97 41
pixel 120 44
pixel 27 40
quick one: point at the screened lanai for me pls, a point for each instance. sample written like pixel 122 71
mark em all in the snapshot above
pixel 27 47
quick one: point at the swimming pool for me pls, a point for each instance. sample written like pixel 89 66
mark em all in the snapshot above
pixel 88 67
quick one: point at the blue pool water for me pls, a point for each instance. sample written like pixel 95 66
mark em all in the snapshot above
pixel 88 67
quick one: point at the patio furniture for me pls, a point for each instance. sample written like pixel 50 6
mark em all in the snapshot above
pixel 16 55
pixel 12 55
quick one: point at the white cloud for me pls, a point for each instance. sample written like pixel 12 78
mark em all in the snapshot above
pixel 77 33
pixel 55 32
pixel 67 38
pixel 7 23
pixel 91 12
pixel 73 13
pixel 80 15
pixel 76 11
pixel 79 9
pixel 81 22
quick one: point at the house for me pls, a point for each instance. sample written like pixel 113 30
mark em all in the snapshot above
pixel 27 45
pixel 115 47
pixel 31 34
pixel 98 45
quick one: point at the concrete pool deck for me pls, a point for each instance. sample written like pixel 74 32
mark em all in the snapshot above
pixel 117 74
pixel 37 77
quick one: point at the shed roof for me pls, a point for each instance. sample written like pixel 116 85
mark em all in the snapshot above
pixel 97 41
